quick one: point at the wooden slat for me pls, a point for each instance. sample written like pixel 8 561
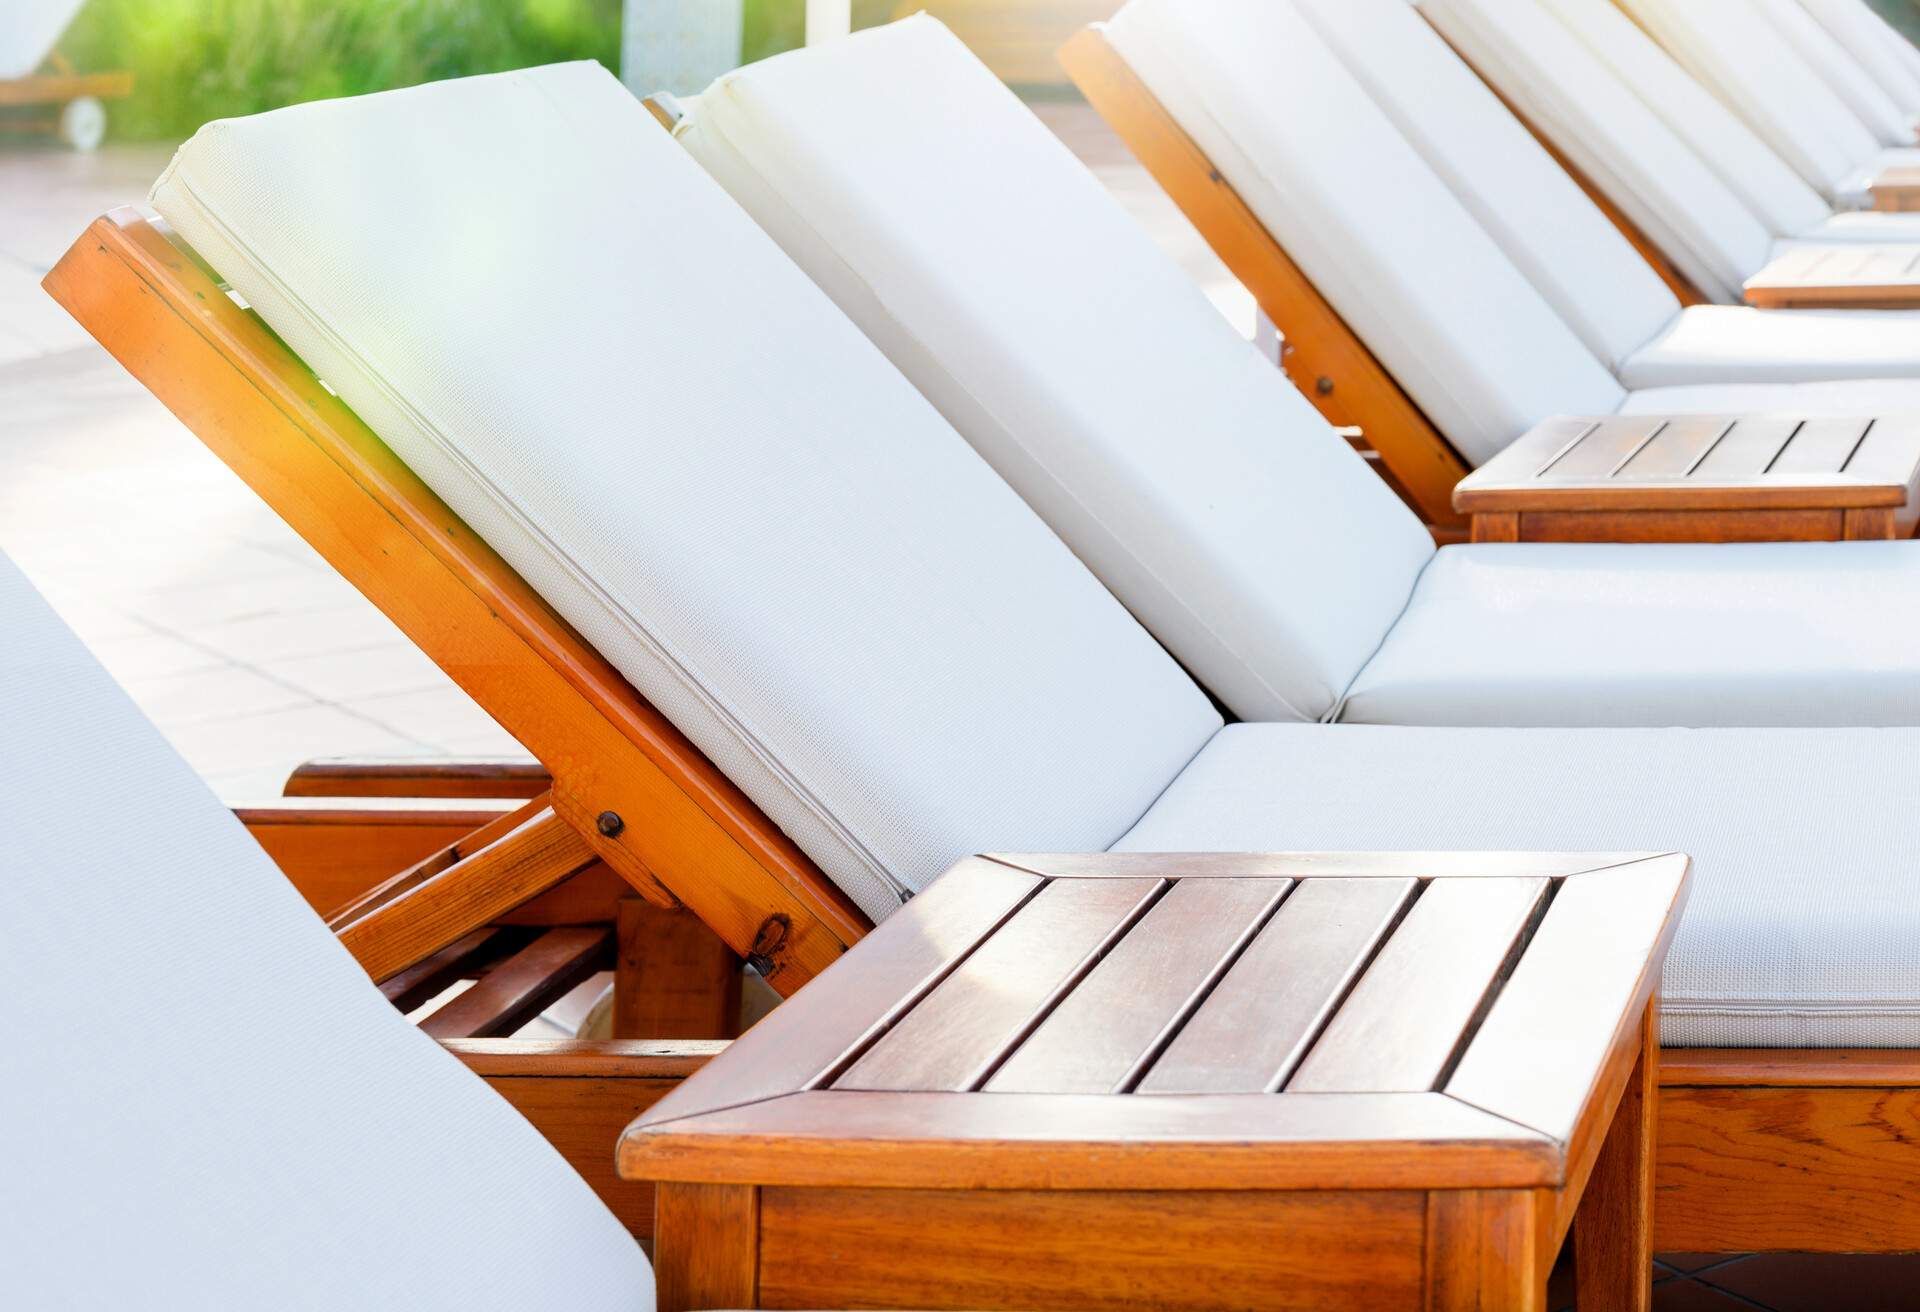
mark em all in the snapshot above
pixel 1682 443
pixel 1791 1068
pixel 54 89
pixel 1252 1030
pixel 1404 1019
pixel 524 985
pixel 425 980
pixel 970 1021
pixel 673 977
pixel 1749 448
pixel 1102 1034
pixel 399 882
pixel 475 891
pixel 455 776
pixel 1821 446
pixel 842 1138
pixel 812 1034
pixel 1601 454
pixel 1571 1010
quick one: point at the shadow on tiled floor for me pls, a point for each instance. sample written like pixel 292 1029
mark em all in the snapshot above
pixel 1773 1282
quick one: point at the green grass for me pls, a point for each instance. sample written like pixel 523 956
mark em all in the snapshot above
pixel 196 60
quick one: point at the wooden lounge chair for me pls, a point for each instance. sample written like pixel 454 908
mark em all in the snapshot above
pixel 1084 366
pixel 1839 140
pixel 1875 46
pixel 208 1104
pixel 1680 172
pixel 901 635
pixel 1506 245
pixel 33 72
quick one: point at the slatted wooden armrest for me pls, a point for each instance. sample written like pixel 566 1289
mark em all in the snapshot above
pixel 1840 277
pixel 1659 478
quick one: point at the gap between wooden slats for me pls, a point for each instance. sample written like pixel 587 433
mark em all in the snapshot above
pixel 963 1029
pixel 1821 446
pixel 1252 1029
pixel 1103 1034
pixel 1403 1024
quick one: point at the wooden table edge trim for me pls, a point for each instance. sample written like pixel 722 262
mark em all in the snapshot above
pixel 1461 863
pixel 1806 492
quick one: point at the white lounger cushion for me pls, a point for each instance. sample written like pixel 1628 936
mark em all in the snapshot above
pixel 1079 359
pixel 1739 344
pixel 1731 47
pixel 1527 203
pixel 1802 928
pixel 1855 87
pixel 1863 34
pixel 1688 173
pixel 1802 633
pixel 28 31
pixel 562 325
pixel 1378 232
pixel 206 1103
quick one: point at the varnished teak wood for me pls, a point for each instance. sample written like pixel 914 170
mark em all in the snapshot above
pixel 965 1136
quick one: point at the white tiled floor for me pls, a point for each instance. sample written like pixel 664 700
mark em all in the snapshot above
pixel 239 641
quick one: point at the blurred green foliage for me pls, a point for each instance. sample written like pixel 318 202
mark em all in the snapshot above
pixel 196 60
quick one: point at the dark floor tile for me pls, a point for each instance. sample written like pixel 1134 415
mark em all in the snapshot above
pixel 1825 1282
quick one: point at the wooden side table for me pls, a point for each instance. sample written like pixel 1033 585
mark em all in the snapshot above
pixel 1896 189
pixel 1330 1081
pixel 1699 478
pixel 1847 276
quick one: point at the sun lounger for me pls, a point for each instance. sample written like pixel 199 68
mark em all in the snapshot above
pixel 207 1103
pixel 33 72
pixel 1443 321
pixel 1102 386
pixel 1739 51
pixel 862 632
pixel 1679 169
pixel 1873 45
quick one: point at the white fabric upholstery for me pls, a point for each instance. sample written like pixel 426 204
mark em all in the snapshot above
pixel 1802 928
pixel 1378 232
pixel 1875 226
pixel 206 1103
pixel 1845 77
pixel 1079 359
pixel 547 310
pixel 1583 92
pixel 1739 344
pixel 28 31
pixel 1775 633
pixel 1863 33
pixel 1853 396
pixel 1729 46
pixel 1526 202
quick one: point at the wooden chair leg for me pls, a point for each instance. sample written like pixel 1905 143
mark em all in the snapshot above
pixel 1483 1251
pixel 1613 1228
pixel 673 977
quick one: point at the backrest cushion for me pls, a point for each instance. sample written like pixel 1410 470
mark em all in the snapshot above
pixel 207 1103
pixel 558 321
pixel 1780 198
pixel 28 31
pixel 1364 216
pixel 1843 74
pixel 1743 59
pixel 1581 105
pixel 1863 33
pixel 1074 354
pixel 1532 209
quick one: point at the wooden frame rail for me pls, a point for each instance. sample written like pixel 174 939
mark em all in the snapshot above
pixel 634 791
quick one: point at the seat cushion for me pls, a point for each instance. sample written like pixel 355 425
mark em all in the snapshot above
pixel 1079 359
pixel 1801 930
pixel 207 1103
pixel 1739 344
pixel 1526 201
pixel 1435 298
pixel 1801 633
pixel 1877 226
pixel 1879 396
pixel 1625 116
pixel 699 462
pixel 1731 47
